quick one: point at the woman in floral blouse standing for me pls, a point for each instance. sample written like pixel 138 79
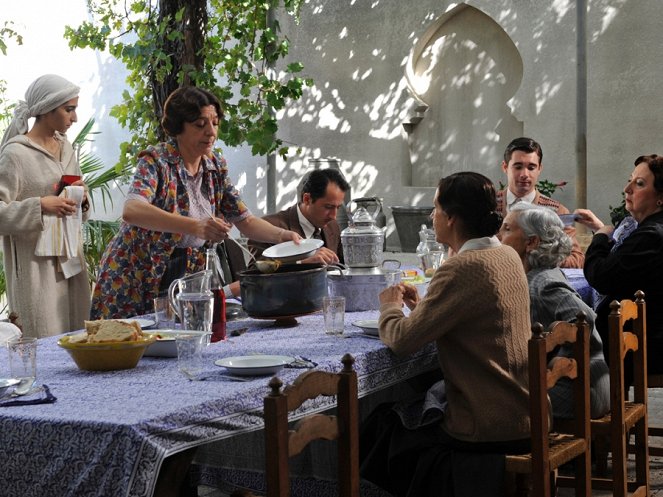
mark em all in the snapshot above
pixel 180 202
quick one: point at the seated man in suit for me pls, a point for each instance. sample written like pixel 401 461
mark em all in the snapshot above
pixel 320 194
pixel 522 165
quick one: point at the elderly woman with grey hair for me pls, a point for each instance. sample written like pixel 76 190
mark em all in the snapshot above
pixel 537 234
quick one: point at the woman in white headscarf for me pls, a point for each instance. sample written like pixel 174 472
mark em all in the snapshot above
pixel 50 293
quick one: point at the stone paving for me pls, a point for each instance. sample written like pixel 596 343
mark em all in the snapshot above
pixel 655 463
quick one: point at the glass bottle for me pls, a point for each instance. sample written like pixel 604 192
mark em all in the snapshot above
pixel 216 286
pixel 431 253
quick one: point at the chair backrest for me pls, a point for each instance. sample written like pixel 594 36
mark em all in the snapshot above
pixel 282 443
pixel 634 341
pixel 542 377
pixel 635 419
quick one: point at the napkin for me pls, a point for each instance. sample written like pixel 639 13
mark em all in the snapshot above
pixel 61 235
pixel 301 362
pixel 8 331
pixel 42 396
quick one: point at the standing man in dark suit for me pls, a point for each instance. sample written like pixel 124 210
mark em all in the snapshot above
pixel 320 194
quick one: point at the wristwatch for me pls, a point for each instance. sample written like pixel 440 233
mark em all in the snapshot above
pixel 228 292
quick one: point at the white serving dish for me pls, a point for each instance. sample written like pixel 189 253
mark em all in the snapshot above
pixel 143 323
pixel 255 365
pixel 291 252
pixel 368 326
pixel 166 345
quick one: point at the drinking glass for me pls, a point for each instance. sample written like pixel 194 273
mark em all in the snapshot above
pixel 164 317
pixel 190 350
pixel 333 309
pixel 23 363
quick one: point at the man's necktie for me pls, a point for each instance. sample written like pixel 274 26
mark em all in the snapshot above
pixel 317 234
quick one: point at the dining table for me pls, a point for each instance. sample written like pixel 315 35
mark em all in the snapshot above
pixel 109 432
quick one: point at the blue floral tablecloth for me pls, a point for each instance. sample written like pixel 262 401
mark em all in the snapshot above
pixel 108 432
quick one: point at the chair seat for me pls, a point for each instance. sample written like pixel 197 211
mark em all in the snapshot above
pixel 632 414
pixel 563 448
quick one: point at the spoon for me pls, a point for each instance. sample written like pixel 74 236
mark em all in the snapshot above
pixel 268 267
pixel 247 252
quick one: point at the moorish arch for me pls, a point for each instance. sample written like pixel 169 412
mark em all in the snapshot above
pixel 462 72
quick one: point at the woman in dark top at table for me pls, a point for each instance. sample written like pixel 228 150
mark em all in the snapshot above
pixel 617 269
pixel 476 312
pixel 537 234
pixel 181 202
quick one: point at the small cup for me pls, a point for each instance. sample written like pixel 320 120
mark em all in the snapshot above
pixel 333 309
pixel 23 362
pixel 190 350
pixel 164 316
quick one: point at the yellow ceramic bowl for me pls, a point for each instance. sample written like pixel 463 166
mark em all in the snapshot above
pixel 106 356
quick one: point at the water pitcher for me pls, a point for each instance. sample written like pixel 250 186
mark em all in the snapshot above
pixel 192 299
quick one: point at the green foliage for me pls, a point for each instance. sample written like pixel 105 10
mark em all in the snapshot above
pixel 6 109
pixel 7 32
pixel 618 213
pixel 240 45
pixel 97 178
pixel 548 188
pixel 97 235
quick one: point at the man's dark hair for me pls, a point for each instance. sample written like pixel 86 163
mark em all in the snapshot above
pixel 523 144
pixel 315 183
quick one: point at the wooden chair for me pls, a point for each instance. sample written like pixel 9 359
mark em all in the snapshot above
pixel 655 381
pixel 282 443
pixel 612 430
pixel 550 450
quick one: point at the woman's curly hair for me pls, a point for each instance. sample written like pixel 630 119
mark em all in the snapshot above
pixel 554 246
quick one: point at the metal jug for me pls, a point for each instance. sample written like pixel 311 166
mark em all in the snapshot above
pixel 363 240
pixel 193 304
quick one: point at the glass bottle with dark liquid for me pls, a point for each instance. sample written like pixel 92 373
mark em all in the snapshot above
pixel 216 286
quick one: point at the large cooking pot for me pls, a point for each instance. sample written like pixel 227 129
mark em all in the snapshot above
pixel 293 290
pixel 361 287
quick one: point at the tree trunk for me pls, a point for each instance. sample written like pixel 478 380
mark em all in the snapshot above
pixel 183 53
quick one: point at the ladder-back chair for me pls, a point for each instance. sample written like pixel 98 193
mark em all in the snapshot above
pixel 282 443
pixel 550 450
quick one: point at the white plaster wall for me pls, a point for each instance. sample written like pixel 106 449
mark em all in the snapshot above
pixel 356 51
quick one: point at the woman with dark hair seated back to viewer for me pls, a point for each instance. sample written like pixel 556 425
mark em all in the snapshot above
pixel 617 268
pixel 476 311
pixel 537 234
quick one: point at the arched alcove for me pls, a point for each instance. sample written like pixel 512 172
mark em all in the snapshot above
pixel 462 72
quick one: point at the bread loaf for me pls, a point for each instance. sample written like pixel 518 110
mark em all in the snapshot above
pixel 112 330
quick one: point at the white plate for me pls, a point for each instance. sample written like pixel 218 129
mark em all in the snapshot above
pixel 251 365
pixel 143 323
pixel 289 251
pixel 165 346
pixel 368 326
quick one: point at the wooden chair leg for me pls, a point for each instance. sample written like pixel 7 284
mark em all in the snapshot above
pixel 600 452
